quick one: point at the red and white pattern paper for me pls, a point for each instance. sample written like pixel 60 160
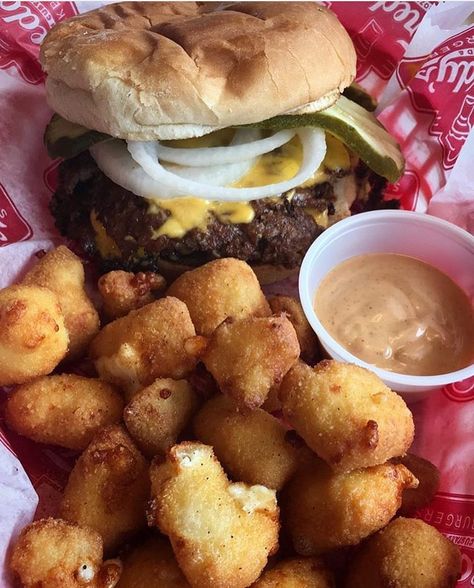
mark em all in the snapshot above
pixel 417 58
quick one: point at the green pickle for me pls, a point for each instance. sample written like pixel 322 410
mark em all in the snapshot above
pixel 67 139
pixel 346 120
pixel 357 128
pixel 357 94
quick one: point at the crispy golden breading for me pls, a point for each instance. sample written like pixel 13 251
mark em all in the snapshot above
pixel 152 565
pixel 301 572
pixel 408 553
pixel 428 476
pixel 148 343
pixel 272 402
pixel 52 553
pixel 125 291
pixel 33 338
pixel 108 487
pixel 306 336
pixel 252 446
pixel 248 357
pixel 220 289
pixel 157 414
pixel 221 533
pixel 323 510
pixel 61 271
pixel 346 414
pixel 65 410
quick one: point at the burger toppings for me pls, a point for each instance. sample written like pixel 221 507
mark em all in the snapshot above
pixel 115 161
pixel 147 155
pixel 67 139
pixel 354 126
pixel 239 150
pixel 153 169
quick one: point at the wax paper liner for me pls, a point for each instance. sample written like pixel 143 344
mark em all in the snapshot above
pixel 417 59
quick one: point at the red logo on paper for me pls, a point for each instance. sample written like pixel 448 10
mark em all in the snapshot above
pixel 408 68
pixel 406 190
pixel 460 391
pixel 380 34
pixel 13 227
pixel 27 67
pixel 453 515
pixel 23 26
pixel 33 19
pixel 444 87
pixel 369 57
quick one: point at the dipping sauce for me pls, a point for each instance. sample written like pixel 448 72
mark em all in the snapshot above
pixel 397 313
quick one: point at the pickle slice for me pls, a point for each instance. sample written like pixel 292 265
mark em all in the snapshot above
pixel 357 128
pixel 67 139
pixel 357 94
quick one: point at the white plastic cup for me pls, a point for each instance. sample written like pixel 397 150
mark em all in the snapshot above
pixel 432 240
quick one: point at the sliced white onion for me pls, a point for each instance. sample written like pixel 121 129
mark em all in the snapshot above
pixel 215 175
pixel 219 175
pixel 146 155
pixel 245 145
pixel 114 160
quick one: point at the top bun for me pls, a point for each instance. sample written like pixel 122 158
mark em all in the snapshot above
pixel 162 70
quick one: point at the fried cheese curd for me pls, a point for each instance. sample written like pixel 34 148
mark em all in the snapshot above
pixel 123 291
pixel 297 572
pixel 346 414
pixel 306 336
pixel 428 475
pixel 33 336
pixel 408 553
pixel 65 410
pixel 62 271
pixel 133 351
pixel 221 289
pixel 253 446
pixel 152 564
pixel 221 533
pixel 157 414
pixel 248 357
pixel 108 487
pixel 52 553
pixel 323 510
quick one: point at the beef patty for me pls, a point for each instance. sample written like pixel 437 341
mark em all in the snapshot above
pixel 280 233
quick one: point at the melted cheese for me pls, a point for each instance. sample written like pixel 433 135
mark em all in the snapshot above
pixel 278 166
pixel 320 218
pixel 337 158
pixel 194 213
pixel 107 247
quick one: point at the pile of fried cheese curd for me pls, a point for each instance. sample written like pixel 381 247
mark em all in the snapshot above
pixel 211 453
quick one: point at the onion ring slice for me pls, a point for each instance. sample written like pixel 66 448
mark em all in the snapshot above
pixel 116 163
pixel 243 147
pixel 146 155
pixel 113 159
pixel 215 175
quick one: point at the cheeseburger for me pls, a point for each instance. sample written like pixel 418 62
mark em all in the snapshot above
pixel 193 131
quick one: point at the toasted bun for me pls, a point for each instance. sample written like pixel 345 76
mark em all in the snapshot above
pixel 266 274
pixel 151 70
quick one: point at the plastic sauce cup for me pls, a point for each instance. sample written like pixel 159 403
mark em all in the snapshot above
pixel 432 240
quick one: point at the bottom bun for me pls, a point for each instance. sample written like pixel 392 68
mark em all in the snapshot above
pixel 266 274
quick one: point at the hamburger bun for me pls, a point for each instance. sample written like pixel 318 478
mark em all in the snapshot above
pixel 162 70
